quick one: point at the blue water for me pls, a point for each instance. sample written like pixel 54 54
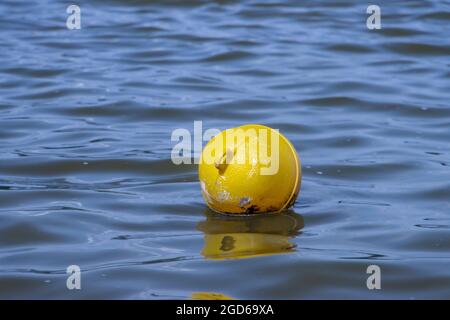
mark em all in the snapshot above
pixel 86 118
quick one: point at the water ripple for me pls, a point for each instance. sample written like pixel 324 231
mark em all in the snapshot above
pixel 86 118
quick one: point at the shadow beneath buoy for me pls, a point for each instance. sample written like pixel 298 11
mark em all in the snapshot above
pixel 236 237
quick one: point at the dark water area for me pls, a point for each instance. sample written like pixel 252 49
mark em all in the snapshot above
pixel 86 176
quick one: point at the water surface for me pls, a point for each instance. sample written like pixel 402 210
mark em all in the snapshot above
pixel 86 118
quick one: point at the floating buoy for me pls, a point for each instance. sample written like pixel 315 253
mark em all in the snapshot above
pixel 249 169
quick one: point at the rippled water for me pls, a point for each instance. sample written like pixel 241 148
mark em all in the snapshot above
pixel 86 118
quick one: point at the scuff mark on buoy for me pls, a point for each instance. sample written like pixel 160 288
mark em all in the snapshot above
pixel 205 192
pixel 252 209
pixel 223 195
pixel 244 201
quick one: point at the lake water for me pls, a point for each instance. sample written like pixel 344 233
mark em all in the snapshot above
pixel 86 118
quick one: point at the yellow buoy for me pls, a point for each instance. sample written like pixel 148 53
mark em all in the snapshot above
pixel 249 169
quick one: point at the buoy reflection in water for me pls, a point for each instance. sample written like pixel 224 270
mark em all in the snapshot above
pixel 236 237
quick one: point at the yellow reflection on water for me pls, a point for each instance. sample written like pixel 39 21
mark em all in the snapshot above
pixel 210 296
pixel 237 237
